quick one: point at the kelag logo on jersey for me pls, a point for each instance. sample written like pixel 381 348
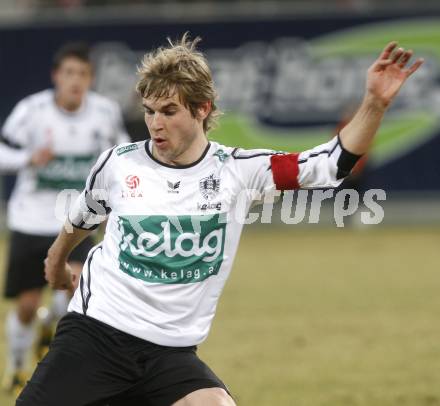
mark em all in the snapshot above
pixel 174 249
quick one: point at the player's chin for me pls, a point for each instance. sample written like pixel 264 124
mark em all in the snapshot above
pixel 75 98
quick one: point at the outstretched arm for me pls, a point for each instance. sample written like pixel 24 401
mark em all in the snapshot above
pixel 384 80
pixel 326 165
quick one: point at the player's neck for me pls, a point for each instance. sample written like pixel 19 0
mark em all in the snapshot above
pixel 187 157
pixel 67 105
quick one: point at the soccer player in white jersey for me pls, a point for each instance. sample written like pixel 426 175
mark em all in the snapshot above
pixel 174 204
pixel 52 139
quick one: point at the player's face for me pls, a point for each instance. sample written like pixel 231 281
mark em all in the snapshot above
pixel 72 79
pixel 176 135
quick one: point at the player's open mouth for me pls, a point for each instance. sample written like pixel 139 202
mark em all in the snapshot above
pixel 160 142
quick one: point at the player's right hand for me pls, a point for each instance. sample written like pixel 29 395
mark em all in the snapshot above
pixel 58 277
pixel 41 157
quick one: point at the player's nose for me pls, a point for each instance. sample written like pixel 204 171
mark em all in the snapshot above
pixel 156 122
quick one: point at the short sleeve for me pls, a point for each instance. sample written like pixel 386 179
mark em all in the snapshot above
pixel 14 138
pixel 16 129
pixel 92 206
pixel 254 168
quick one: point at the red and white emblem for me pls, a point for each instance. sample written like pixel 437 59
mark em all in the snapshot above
pixel 132 181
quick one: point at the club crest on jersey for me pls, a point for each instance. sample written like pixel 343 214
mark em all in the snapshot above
pixel 209 186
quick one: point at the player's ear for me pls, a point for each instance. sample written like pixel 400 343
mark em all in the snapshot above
pixel 204 109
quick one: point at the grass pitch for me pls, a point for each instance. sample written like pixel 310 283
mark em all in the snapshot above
pixel 314 317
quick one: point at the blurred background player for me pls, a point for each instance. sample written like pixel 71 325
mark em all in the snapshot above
pixel 51 139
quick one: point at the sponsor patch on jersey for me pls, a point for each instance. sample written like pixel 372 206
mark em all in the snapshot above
pixel 209 206
pixel 126 148
pixel 171 249
pixel 221 155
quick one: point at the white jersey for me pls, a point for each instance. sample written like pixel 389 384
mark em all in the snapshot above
pixel 76 140
pixel 173 232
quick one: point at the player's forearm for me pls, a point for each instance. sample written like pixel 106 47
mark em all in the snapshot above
pixel 57 272
pixel 65 243
pixel 358 134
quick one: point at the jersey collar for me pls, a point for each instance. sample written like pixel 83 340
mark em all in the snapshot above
pixel 73 114
pixel 150 154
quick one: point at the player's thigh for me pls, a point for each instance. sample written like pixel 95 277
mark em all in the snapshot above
pixel 172 374
pixel 209 396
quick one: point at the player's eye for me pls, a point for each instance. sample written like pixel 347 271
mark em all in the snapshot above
pixel 148 111
pixel 169 112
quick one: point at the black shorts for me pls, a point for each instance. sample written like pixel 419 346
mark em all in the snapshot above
pixel 25 267
pixel 90 363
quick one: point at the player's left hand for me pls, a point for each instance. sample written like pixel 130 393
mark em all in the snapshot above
pixel 388 73
pixel 41 157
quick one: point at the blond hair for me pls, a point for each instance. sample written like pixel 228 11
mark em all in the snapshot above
pixel 180 68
